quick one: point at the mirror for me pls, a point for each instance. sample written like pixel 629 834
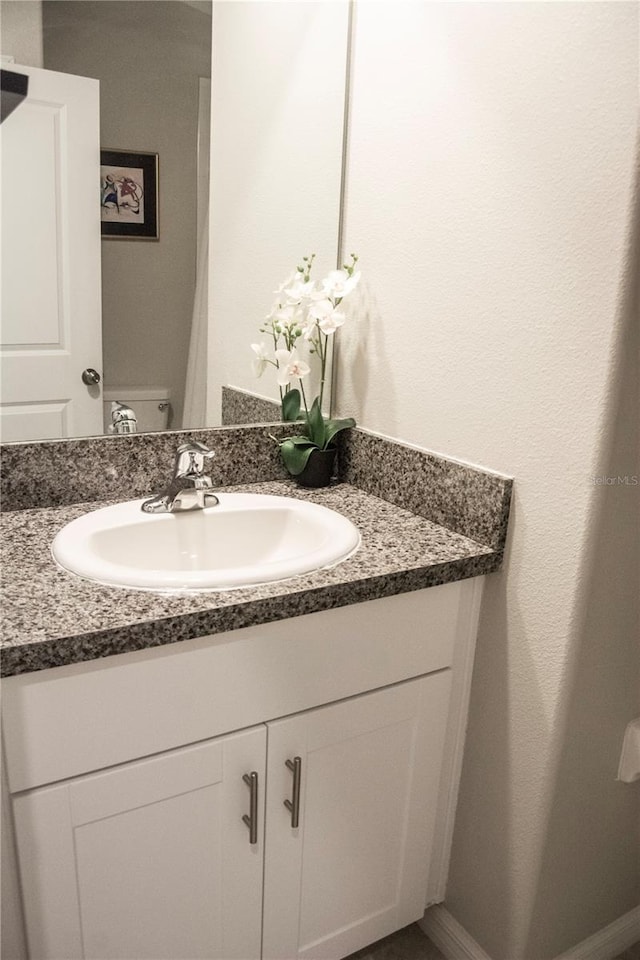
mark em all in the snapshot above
pixel 179 313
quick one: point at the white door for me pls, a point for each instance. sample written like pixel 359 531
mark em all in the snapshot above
pixel 51 302
pixel 356 866
pixel 149 860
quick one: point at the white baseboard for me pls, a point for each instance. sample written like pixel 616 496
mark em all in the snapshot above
pixel 449 936
pixel 452 939
pixel 608 942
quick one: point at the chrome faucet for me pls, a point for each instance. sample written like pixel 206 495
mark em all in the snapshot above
pixel 190 487
pixel 123 419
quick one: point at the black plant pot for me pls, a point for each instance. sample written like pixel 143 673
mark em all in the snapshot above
pixel 318 468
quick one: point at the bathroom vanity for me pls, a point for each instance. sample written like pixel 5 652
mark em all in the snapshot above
pixel 128 777
pixel 269 772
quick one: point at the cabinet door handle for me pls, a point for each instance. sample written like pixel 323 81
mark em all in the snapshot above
pixel 293 805
pixel 251 780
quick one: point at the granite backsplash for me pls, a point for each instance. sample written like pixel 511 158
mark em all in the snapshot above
pixel 466 499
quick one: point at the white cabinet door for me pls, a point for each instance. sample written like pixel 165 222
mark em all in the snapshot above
pixel 151 859
pixel 356 867
pixel 51 304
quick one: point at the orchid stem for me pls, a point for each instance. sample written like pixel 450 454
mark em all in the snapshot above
pixel 304 398
pixel 323 364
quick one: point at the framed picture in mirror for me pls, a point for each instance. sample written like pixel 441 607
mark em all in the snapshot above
pixel 129 195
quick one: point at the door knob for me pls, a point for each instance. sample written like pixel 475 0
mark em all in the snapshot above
pixel 90 377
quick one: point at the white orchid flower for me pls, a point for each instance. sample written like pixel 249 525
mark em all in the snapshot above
pixel 307 325
pixel 338 284
pixel 261 359
pixel 300 290
pixel 287 283
pixel 290 317
pixel 290 367
pixel 331 322
pixel 324 313
pixel 276 306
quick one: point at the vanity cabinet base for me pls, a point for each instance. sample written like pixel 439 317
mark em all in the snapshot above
pixel 356 867
pixel 354 721
pixel 150 860
pixel 153 859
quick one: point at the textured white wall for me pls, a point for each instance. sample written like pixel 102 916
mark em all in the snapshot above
pixel 21 31
pixel 489 196
pixel 278 83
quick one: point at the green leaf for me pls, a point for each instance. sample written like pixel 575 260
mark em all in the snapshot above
pixel 295 455
pixel 291 406
pixel 332 427
pixel 300 441
pixel 315 425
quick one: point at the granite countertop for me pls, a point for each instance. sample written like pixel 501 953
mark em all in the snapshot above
pixel 51 617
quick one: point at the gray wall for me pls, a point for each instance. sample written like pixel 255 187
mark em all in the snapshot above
pixel 148 57
pixel 21 31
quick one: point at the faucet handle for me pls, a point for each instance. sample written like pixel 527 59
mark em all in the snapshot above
pixel 190 459
pixel 123 419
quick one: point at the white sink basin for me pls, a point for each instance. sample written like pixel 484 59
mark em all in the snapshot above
pixel 246 539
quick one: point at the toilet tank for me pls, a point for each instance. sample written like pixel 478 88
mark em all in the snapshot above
pixel 151 406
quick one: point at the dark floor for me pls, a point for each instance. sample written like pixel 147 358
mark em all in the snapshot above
pixel 633 953
pixel 407 944
pixel 412 944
